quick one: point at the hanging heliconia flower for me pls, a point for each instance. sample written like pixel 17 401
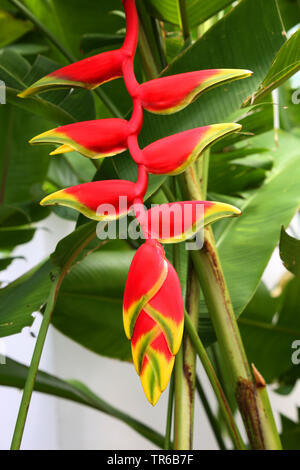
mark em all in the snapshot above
pixel 153 310
pixel 153 314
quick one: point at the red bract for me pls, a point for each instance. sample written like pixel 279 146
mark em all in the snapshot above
pixel 87 73
pixel 153 315
pixel 173 154
pixel 179 221
pixel 99 200
pixel 168 95
pixel 93 139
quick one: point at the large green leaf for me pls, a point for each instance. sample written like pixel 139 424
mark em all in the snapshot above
pixel 60 107
pixel 250 239
pixel 89 305
pixel 290 252
pixel 198 10
pixel 92 42
pixel 269 327
pixel 22 168
pixel 70 19
pixel 12 236
pixel 286 64
pixel 23 297
pixel 290 12
pixel 233 172
pixel 70 244
pixel 13 70
pixel 13 374
pixel 76 18
pixel 6 261
pixel 290 435
pixel 30 292
pixel 12 28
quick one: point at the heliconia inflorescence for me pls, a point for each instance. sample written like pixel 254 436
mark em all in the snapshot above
pixel 153 310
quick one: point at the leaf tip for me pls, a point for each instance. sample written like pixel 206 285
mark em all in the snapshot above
pixel 25 93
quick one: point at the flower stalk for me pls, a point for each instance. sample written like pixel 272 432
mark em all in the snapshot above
pixel 30 381
pixel 184 21
pixel 57 278
pixel 224 406
pixel 186 372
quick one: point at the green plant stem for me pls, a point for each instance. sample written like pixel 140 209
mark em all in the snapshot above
pixel 210 416
pixel 224 407
pixel 57 279
pixel 186 384
pixel 210 274
pixel 61 48
pixel 160 43
pixel 181 440
pixel 184 22
pixel 208 268
pixel 147 43
pixel 167 445
pixel 265 413
pixel 168 193
pixel 30 381
pixel 43 29
pixel 203 170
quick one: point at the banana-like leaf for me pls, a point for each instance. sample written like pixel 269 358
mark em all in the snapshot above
pixel 12 28
pixel 290 252
pixel 197 11
pixel 14 374
pixel 285 64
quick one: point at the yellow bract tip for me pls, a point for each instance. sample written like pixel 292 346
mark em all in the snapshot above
pixel 62 149
pixel 42 138
pixel 51 199
pixel 26 93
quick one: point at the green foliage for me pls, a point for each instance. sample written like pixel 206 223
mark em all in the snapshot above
pixel 290 435
pixel 290 252
pixel 198 12
pixel 286 64
pixel 11 29
pixel 13 374
pixel 269 327
pixel 89 305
